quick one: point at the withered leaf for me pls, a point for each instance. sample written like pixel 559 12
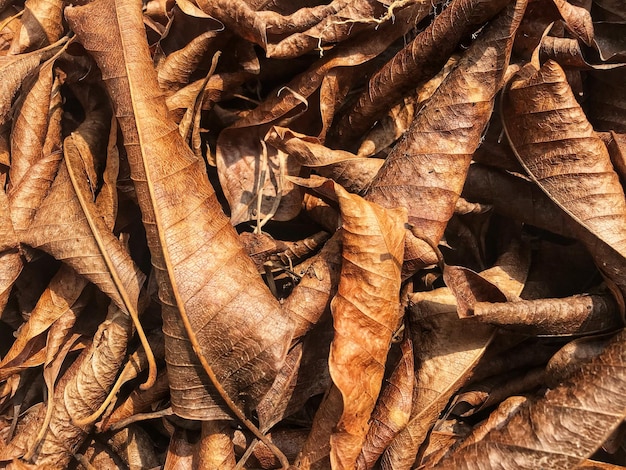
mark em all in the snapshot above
pixel 431 161
pixel 10 259
pixel 61 295
pixel 206 282
pixel 393 408
pixel 418 61
pixel 82 388
pixel 364 315
pixel 449 345
pixel 42 24
pixel 563 428
pixel 583 314
pixel 240 148
pixel 558 148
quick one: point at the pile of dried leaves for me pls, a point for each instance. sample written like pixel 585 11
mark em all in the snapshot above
pixel 361 234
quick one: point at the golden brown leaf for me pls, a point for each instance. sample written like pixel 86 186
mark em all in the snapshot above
pixel 14 71
pixel 31 124
pixel 137 402
pixel 61 296
pixel 179 452
pixel 240 148
pixel 561 429
pixel 583 314
pixel 393 408
pixel 215 448
pixel 175 71
pixel 366 312
pixel 447 344
pixel 560 151
pixel 516 198
pixel 77 394
pixel 10 260
pixel 206 283
pixel 42 24
pixel 418 61
pixel 431 161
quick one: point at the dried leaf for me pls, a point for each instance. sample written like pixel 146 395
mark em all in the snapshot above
pixel 215 448
pixel 80 390
pixel 516 198
pixel 194 250
pixel 431 161
pixel 177 68
pixel 14 70
pixel 304 375
pixel 446 344
pixel 365 315
pixel 418 61
pixel 83 241
pixel 240 158
pixel 584 314
pixel 563 428
pixel 42 24
pixel 137 402
pixel 319 278
pixel 30 126
pixel 558 148
pixel 10 260
pixel 393 408
pixel 61 296
pixel 577 19
pixel 179 452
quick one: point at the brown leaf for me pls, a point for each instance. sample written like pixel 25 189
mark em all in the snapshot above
pixel 215 448
pixel 179 452
pixel 77 394
pixel 219 87
pixel 42 24
pixel 14 70
pixel 418 61
pixel 393 408
pixel 563 428
pixel 304 375
pixel 365 315
pixel 83 241
pixel 30 125
pixel 206 282
pixel 61 296
pixel 448 345
pixel 354 17
pixel 516 198
pixel 175 71
pixel 137 402
pixel 318 284
pixel 577 20
pixel 560 151
pixel 584 315
pixel 10 259
pixel 135 447
pixel 431 161
pixel 240 155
